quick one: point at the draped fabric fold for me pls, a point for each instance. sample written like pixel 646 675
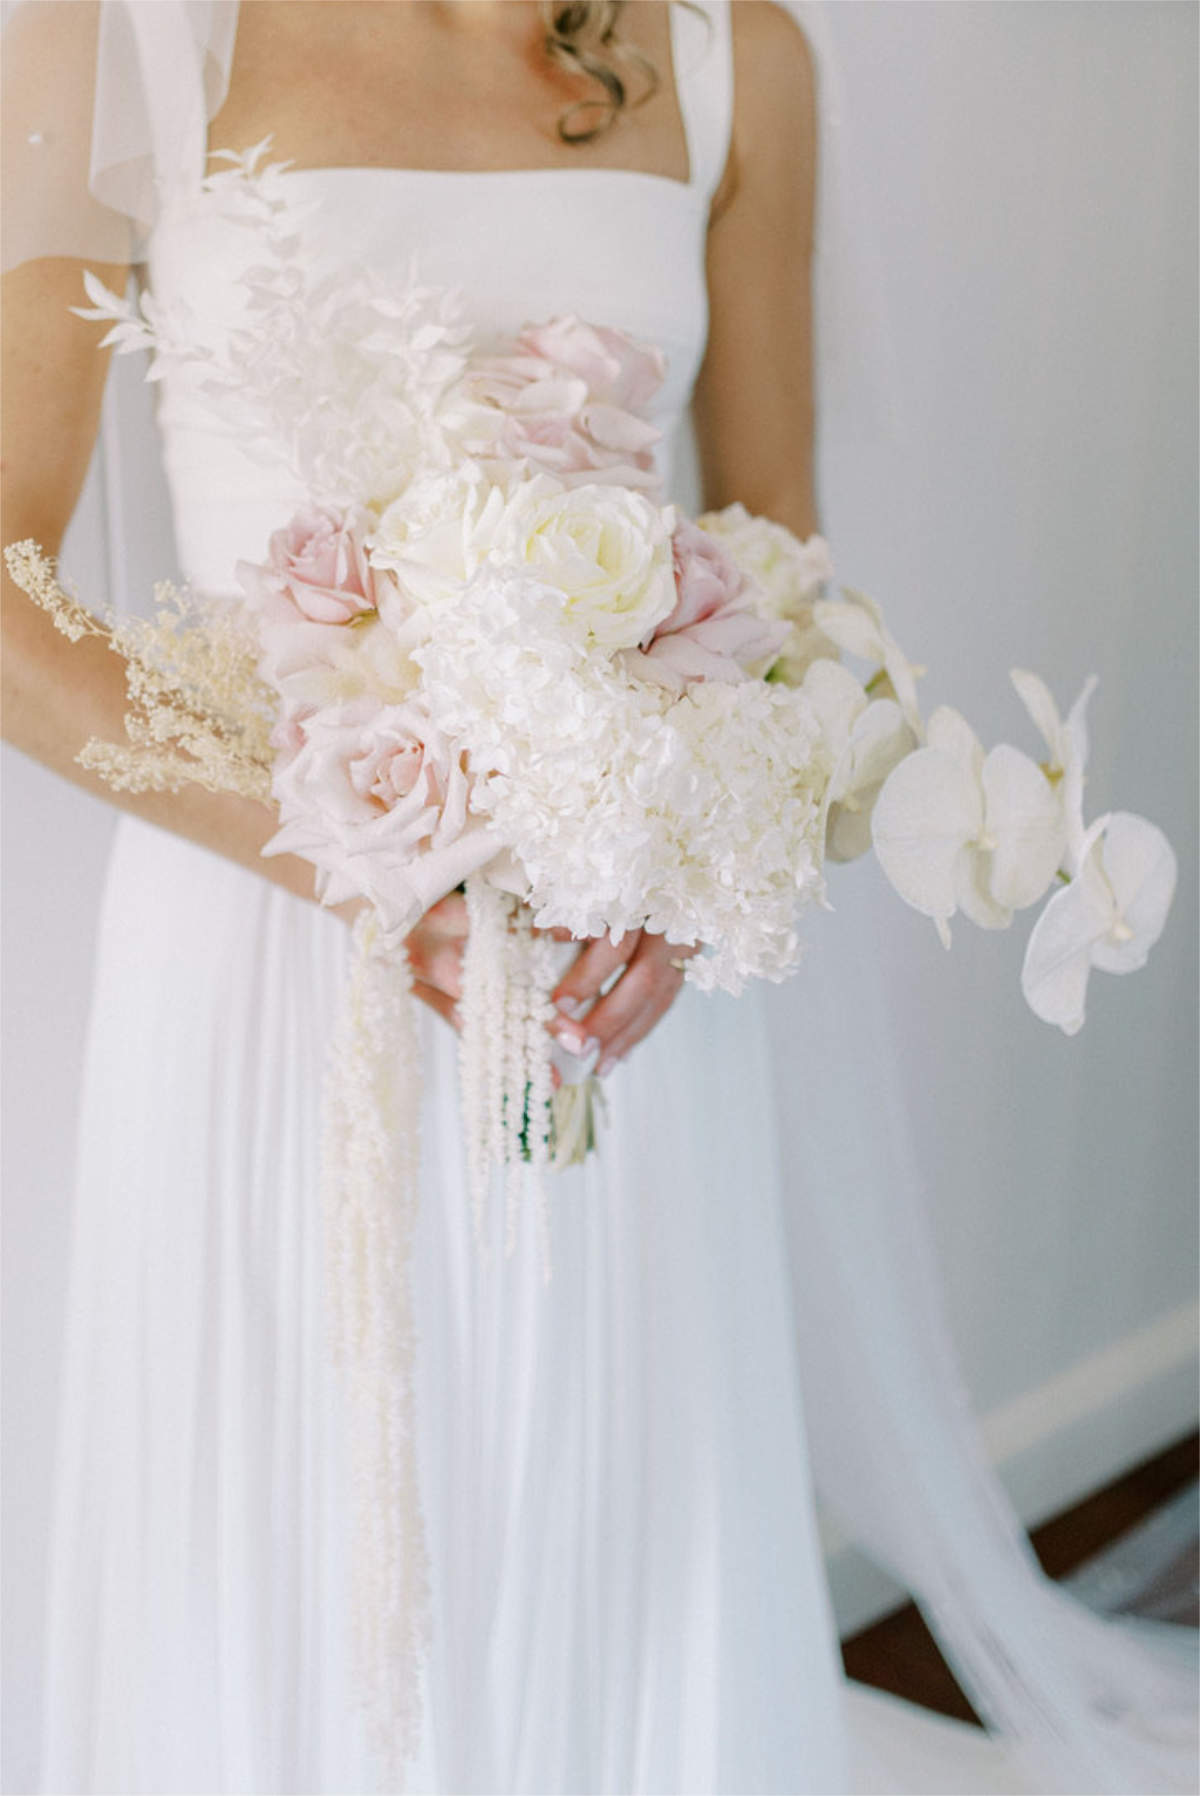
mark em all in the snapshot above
pixel 1090 1704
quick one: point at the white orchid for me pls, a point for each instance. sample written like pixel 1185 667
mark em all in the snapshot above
pixel 865 739
pixel 855 623
pixel 1109 916
pixel 1067 741
pixel 957 829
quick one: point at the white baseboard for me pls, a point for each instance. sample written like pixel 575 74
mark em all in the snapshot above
pixel 1053 1445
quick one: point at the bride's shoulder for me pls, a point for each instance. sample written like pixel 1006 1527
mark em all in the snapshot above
pixel 771 52
pixel 773 141
pixel 50 53
pixel 47 95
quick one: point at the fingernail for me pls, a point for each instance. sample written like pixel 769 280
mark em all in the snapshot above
pixel 574 1068
pixel 572 1007
pixel 606 1065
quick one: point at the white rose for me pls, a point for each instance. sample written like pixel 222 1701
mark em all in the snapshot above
pixel 438 533
pixel 608 549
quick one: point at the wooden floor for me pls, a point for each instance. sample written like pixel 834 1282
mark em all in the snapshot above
pixel 898 1653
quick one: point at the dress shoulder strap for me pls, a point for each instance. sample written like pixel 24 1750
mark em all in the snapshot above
pixel 702 52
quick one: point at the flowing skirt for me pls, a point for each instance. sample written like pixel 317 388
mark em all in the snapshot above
pixel 627 1587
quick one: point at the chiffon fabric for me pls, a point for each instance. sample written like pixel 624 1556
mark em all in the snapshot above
pixel 627 1585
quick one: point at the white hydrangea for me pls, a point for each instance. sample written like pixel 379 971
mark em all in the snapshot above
pixel 696 817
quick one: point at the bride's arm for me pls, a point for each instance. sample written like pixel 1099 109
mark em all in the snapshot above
pixel 754 397
pixel 57 694
pixel 753 402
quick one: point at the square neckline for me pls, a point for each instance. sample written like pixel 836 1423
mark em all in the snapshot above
pixel 481 174
pixel 689 186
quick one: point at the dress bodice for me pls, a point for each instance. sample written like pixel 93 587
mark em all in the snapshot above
pixel 616 246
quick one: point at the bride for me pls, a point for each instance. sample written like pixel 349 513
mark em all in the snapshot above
pixel 625 1580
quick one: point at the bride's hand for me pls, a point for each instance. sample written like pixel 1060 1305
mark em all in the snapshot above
pixel 608 1026
pixel 435 949
pixel 650 973
pixel 644 991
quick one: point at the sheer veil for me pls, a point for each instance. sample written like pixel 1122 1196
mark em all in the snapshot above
pixel 1090 1704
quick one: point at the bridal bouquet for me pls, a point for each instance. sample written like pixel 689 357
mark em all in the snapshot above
pixel 486 652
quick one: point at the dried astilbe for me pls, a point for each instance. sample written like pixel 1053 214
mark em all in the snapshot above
pixel 199 713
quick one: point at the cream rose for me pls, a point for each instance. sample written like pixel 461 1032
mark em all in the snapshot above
pixel 437 534
pixel 607 549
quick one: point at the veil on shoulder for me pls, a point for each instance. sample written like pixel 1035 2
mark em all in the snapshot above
pixel 1087 1704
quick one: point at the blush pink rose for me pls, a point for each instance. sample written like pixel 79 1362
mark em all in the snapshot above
pixel 287 736
pixel 572 395
pixel 316 565
pixel 317 579
pixel 376 797
pixel 715 631
pixel 618 370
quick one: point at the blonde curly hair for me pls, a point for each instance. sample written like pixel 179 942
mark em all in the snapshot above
pixel 581 37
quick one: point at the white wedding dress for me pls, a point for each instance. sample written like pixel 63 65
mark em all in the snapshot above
pixel 627 1586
